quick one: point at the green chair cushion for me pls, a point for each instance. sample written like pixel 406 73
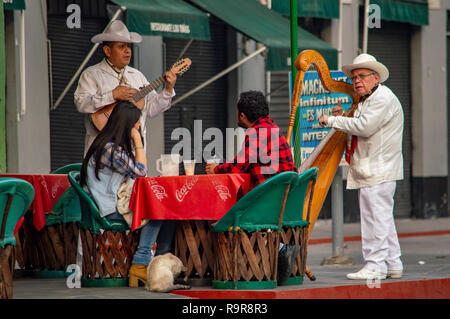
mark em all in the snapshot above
pixel 293 211
pixel 260 208
pixel 68 168
pixel 298 223
pixel 90 216
pixel 23 195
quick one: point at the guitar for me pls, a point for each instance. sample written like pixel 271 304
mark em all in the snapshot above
pixel 100 118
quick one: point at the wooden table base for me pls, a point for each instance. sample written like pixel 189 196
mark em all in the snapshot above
pixel 194 247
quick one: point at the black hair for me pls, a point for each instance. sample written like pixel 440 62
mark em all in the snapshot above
pixel 253 104
pixel 108 43
pixel 118 131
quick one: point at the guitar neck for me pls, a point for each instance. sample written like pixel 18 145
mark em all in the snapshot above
pixel 148 88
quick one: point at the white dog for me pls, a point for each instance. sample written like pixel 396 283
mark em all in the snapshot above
pixel 162 271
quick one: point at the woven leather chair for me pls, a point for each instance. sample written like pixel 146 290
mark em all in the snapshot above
pixel 295 222
pixel 246 239
pixel 16 196
pixel 108 246
pixel 61 230
pixel 51 250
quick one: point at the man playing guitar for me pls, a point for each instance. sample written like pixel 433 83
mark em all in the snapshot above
pixel 114 80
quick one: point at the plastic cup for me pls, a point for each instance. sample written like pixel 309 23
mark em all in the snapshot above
pixel 189 167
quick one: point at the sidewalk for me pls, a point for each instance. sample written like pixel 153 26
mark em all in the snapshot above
pixel 425 248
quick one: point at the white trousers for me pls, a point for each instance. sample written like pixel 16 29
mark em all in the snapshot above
pixel 380 246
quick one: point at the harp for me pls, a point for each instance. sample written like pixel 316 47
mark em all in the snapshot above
pixel 327 155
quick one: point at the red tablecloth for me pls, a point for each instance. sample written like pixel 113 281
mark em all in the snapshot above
pixel 47 188
pixel 201 197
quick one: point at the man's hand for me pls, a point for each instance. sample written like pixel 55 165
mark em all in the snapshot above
pixel 210 168
pixel 323 120
pixel 337 110
pixel 123 93
pixel 171 78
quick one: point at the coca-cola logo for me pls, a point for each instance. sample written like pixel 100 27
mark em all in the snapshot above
pixel 181 193
pixel 158 190
pixel 55 189
pixel 223 191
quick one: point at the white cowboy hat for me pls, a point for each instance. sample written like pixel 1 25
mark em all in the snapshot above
pixel 117 32
pixel 367 61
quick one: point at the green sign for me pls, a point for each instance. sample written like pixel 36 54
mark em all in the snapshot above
pixel 269 27
pixel 410 11
pixel 14 4
pixel 327 9
pixel 174 18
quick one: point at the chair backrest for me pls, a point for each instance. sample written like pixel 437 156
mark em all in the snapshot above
pixel 260 208
pixel 16 196
pixel 90 216
pixel 68 168
pixel 67 207
pixel 293 211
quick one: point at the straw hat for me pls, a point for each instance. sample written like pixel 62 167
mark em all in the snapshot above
pixel 117 32
pixel 367 61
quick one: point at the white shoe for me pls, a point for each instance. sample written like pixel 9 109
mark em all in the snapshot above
pixel 365 273
pixel 395 274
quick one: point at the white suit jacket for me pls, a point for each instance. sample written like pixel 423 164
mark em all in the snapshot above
pixel 378 123
pixel 95 91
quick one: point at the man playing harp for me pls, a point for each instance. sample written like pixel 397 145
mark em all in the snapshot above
pixel 376 163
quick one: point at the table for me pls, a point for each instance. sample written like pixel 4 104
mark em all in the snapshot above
pixel 47 188
pixel 39 247
pixel 195 201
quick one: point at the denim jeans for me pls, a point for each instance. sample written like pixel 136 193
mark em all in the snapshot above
pixel 155 231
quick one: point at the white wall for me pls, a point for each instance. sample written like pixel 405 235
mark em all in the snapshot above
pixel 429 97
pixel 349 40
pixel 28 137
pixel 251 74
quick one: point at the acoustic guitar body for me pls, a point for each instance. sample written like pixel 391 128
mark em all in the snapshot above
pixel 100 118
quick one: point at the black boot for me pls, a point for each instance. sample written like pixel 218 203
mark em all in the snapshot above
pixel 286 262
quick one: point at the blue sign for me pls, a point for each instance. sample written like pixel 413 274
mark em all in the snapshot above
pixel 315 101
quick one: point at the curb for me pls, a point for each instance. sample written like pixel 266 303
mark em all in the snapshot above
pixel 318 241
pixel 417 289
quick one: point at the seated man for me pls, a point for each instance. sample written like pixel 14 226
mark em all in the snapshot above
pixel 265 151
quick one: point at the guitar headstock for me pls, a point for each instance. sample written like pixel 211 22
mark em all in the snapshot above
pixel 181 66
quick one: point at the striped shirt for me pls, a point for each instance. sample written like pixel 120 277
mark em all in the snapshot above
pixel 120 162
